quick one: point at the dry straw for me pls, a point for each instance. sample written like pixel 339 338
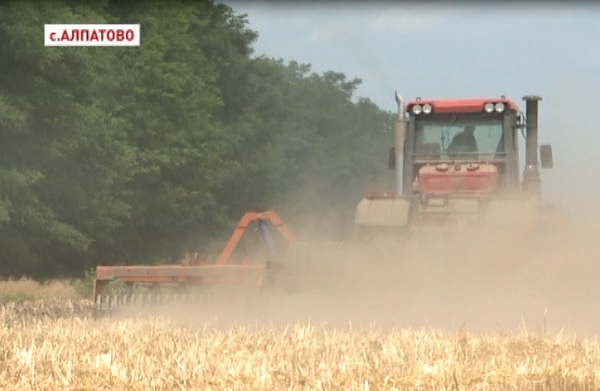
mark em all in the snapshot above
pixel 74 352
pixel 28 289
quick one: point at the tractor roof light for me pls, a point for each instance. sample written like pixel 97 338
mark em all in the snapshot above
pixel 499 107
pixel 489 107
pixel 417 109
pixel 427 108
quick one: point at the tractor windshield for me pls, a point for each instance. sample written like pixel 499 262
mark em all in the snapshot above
pixel 467 139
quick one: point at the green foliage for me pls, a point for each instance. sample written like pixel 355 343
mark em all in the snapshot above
pixel 309 150
pixel 138 155
pixel 84 286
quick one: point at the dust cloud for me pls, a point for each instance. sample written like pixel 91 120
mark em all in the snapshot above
pixel 461 279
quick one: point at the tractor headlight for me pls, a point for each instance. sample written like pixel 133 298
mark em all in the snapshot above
pixel 427 108
pixel 489 107
pixel 499 107
pixel 417 109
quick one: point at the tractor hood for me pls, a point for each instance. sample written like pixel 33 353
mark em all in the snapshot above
pixel 463 178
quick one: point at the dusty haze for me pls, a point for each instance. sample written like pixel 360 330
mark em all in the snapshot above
pixel 462 280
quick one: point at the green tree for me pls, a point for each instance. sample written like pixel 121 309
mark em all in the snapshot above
pixel 171 100
pixel 126 155
pixel 308 149
pixel 50 130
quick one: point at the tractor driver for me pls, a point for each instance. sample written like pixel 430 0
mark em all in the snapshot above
pixel 464 145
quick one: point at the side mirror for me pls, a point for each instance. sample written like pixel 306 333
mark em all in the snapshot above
pixel 392 159
pixel 546 156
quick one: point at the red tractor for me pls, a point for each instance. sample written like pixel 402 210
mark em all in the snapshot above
pixel 457 161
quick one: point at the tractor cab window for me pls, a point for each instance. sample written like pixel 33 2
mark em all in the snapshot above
pixel 464 140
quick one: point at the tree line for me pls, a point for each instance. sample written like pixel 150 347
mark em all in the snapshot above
pixel 124 155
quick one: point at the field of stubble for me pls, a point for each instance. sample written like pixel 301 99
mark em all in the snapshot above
pixel 55 344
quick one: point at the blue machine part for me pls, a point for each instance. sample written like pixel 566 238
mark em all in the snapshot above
pixel 266 234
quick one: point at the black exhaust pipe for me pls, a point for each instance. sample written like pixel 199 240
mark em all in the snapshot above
pixel 531 174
